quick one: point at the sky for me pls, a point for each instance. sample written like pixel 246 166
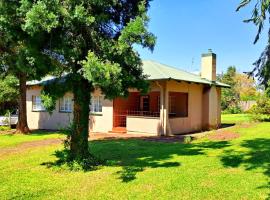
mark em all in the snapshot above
pixel 186 29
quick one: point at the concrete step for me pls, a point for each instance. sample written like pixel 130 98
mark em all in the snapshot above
pixel 122 130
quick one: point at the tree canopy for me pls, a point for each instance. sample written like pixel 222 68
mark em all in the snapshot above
pixel 258 18
pixel 93 42
pixel 21 54
pixel 243 88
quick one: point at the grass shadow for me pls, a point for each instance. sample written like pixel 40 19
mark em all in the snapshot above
pixel 226 125
pixel 256 155
pixel 134 156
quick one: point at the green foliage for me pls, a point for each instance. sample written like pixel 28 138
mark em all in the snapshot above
pixel 187 139
pixel 8 89
pixel 66 161
pixel 259 15
pixel 262 106
pixel 4 128
pixel 233 109
pixel 93 42
pixel 229 96
pixel 242 89
pixel 261 111
pixel 8 94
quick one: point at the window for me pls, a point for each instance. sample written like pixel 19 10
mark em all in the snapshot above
pixel 178 104
pixel 66 104
pixel 96 104
pixel 144 103
pixel 37 104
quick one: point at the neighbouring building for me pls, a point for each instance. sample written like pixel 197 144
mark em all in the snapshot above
pixel 178 102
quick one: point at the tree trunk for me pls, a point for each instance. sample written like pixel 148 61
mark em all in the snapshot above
pixel 79 137
pixel 22 126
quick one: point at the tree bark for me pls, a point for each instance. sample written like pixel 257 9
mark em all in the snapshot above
pixel 79 137
pixel 22 126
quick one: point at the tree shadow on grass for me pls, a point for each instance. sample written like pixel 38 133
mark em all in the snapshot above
pixel 255 156
pixel 134 156
pixel 226 125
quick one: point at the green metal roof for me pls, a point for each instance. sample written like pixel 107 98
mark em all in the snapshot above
pixel 157 71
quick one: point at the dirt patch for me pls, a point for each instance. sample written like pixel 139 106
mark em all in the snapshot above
pixel 6 132
pixel 170 139
pixel 224 135
pixel 146 137
pixel 28 145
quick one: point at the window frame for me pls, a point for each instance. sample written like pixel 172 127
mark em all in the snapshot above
pixel 63 100
pixel 35 106
pixel 173 107
pixel 99 106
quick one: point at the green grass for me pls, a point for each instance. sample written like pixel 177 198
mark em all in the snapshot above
pixel 235 118
pixel 4 128
pixel 9 140
pixel 137 169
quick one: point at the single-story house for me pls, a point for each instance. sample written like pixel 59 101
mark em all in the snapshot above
pixel 178 102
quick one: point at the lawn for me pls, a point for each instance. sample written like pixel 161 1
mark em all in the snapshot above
pixel 10 140
pixel 139 169
pixel 235 118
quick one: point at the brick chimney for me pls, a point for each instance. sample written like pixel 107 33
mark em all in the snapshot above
pixel 208 68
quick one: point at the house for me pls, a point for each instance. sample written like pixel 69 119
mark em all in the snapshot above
pixel 178 102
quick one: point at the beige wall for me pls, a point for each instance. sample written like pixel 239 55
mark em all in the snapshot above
pixel 211 108
pixel 102 122
pixel 99 122
pixel 149 125
pixel 43 120
pixel 204 112
pixel 194 120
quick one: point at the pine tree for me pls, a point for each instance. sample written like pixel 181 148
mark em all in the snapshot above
pixel 93 42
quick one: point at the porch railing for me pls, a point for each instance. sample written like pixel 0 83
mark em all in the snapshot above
pixel 120 116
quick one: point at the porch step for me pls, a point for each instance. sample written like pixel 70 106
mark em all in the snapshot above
pixel 122 130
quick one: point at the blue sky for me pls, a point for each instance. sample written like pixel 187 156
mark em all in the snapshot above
pixel 185 29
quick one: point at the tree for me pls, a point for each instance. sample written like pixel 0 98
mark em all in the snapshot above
pixel 229 96
pixel 20 53
pixel 8 93
pixel 245 87
pixel 259 15
pixel 93 41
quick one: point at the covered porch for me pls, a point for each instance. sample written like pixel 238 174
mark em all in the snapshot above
pixel 153 113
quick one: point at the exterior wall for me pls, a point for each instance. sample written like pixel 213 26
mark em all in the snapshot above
pixel 211 108
pixel 149 125
pixel 204 112
pixel 219 106
pixel 98 122
pixel 43 120
pixel 102 122
pixel 194 120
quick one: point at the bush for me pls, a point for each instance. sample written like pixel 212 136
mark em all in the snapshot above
pixel 261 111
pixel 187 139
pixel 260 118
pixel 4 128
pixel 233 110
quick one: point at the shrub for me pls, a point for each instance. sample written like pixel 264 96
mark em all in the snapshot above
pixel 4 128
pixel 233 110
pixel 261 111
pixel 187 139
